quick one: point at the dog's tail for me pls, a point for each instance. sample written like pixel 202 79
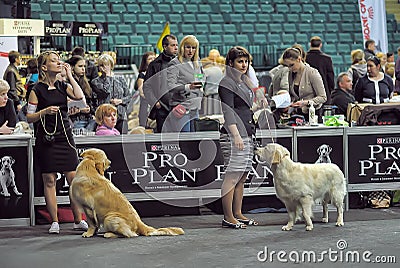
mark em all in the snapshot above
pixel 151 231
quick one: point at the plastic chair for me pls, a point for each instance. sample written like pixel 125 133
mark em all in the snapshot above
pixel 82 17
pixel 133 8
pixel 121 40
pixel 116 18
pixel 67 17
pixel 137 40
pixel 128 18
pixel 98 18
pixel 141 29
pixel 230 28
pixel 124 29
pixel 101 8
pixel 118 8
pixel 86 8
pixel 57 8
pixel 229 39
pixel 164 8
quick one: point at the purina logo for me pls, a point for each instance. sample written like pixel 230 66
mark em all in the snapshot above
pixel 390 140
pixel 165 147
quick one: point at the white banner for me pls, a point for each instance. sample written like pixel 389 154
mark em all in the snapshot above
pixel 6 45
pixel 373 22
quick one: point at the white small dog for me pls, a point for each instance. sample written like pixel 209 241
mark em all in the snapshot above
pixel 323 151
pixel 298 185
pixel 7 176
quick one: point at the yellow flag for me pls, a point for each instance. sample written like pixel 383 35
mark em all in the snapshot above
pixel 165 32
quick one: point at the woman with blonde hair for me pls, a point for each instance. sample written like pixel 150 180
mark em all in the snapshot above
pixel 8 117
pixel 186 93
pixel 54 144
pixel 358 66
pixel 112 88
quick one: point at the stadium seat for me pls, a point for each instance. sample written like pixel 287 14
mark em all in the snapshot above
pixel 86 9
pixel 277 18
pixel 148 8
pixel 259 39
pixel 337 60
pixel 293 18
pixel 144 18
pixel 190 18
pixel 347 27
pixel 116 18
pixel 98 18
pixel 330 37
pixel 71 8
pixel 324 8
pixel 159 18
pixel 215 39
pixel 337 8
pixel 296 8
pixel 133 8
pixel 216 28
pixel 216 18
pixel 247 28
pixel 112 28
pixel 82 17
pixel 251 18
pixel 225 8
pixel 265 8
pixel 152 39
pixel 101 8
pixel 288 39
pixel 67 17
pixel 203 18
pixel 164 8
pixel 118 8
pixel 282 8
pixel 205 8
pixel 319 18
pixel 128 18
pixel 46 16
pixel 121 40
pixel 187 29
pixel 35 7
pixel 234 18
pixel 330 49
pixel 203 39
pixel 202 28
pixel 275 27
pixel 346 38
pixel 289 28
pixel 261 28
pixel 239 8
pixel 306 18
pixel 350 17
pixel 178 8
pixel 137 40
pixel 230 28
pixel 229 39
pixel 57 8
pixel 343 48
pixel 308 8
pixel 301 38
pixel 141 28
pixel 318 27
pixel 274 38
pixel 192 8
pixel 124 29
pixel 156 28
pixel 264 18
pixel 334 17
pixel 175 18
pixel 243 39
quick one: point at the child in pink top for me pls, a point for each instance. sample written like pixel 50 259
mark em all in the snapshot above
pixel 106 118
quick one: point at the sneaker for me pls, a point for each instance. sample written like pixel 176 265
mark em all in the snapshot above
pixel 82 225
pixel 55 228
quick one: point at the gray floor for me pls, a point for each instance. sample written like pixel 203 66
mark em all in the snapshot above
pixel 205 244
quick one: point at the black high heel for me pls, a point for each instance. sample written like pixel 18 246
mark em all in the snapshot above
pixel 227 224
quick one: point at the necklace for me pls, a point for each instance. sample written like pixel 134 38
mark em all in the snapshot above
pixel 43 121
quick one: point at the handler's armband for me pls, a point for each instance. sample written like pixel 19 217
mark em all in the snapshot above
pixel 31 108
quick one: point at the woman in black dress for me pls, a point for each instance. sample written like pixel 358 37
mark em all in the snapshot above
pixel 54 144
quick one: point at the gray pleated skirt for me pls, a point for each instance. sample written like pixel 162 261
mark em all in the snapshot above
pixel 236 160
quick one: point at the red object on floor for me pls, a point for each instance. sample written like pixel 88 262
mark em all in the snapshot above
pixel 64 214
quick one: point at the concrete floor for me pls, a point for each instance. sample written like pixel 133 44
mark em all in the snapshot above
pixel 206 244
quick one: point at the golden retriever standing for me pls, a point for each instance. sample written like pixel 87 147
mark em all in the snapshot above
pixel 298 185
pixel 103 203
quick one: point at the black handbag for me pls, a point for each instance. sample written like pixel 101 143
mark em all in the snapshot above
pixel 206 124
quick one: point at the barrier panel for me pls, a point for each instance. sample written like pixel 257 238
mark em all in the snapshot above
pixel 16 169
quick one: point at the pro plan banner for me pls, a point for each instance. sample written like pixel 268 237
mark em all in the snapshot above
pixel 69 28
pixel 14 183
pixel 156 166
pixel 374 158
pixel 373 22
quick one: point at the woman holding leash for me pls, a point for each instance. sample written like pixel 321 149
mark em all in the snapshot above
pixel 235 91
pixel 54 144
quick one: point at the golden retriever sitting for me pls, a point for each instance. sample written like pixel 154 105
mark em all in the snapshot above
pixel 298 185
pixel 104 204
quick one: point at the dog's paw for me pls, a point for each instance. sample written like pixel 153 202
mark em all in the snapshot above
pixel 338 224
pixel 87 234
pixel 110 235
pixel 6 194
pixel 325 220
pixel 287 228
pixel 309 227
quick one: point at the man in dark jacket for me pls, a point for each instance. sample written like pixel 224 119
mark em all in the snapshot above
pixel 323 63
pixel 342 96
pixel 154 86
pixel 369 48
pixel 11 75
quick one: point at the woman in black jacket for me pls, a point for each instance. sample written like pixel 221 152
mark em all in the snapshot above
pixel 235 91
